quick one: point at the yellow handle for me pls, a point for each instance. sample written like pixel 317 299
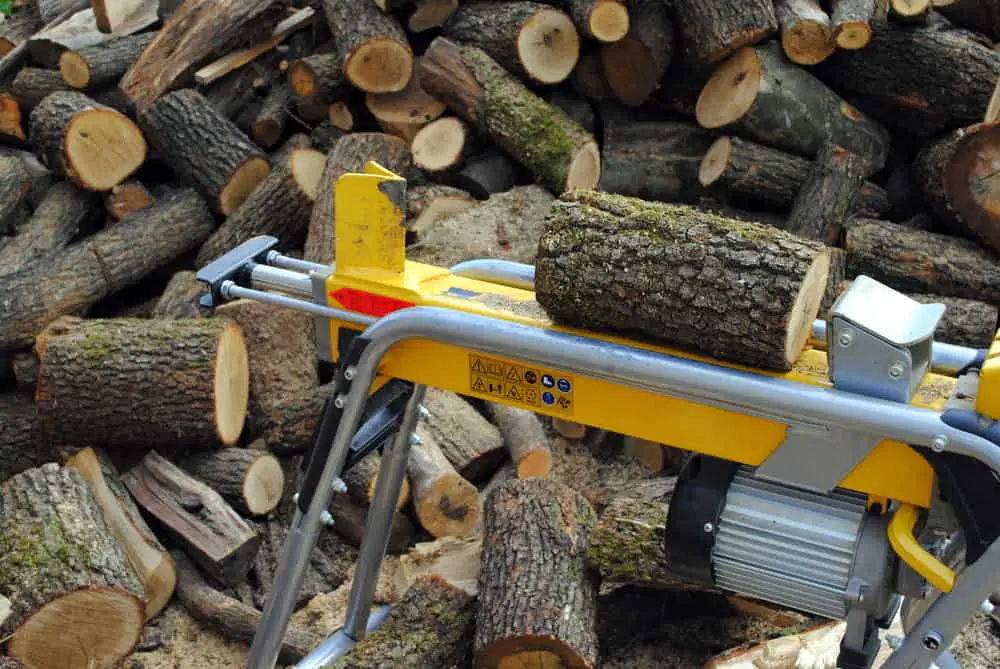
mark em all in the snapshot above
pixel 912 553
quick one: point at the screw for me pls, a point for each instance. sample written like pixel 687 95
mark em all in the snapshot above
pixel 846 338
pixel 327 519
pixel 932 641
pixel 709 528
pixel 415 440
pixel 339 485
pixel 340 401
pixel 896 369
pixel 987 607
pixel 295 498
pixel 424 412
pixel 349 373
pixel 939 444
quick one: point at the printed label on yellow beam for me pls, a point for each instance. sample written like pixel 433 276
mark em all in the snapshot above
pixel 531 387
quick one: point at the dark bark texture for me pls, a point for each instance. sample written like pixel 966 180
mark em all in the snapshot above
pixel 712 29
pixel 21 446
pixel 226 472
pixel 635 65
pixel 824 200
pixel 104 64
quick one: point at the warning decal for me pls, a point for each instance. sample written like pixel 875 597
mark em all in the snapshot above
pixel 529 387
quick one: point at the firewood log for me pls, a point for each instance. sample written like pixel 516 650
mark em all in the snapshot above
pixel 806 33
pixel 211 532
pixel 190 37
pixel 568 429
pixel 588 77
pixel 280 206
pixel 21 445
pixel 427 204
pixel 362 477
pixel 919 261
pixel 471 443
pixel 635 65
pixel 945 82
pixel 290 425
pixel 824 200
pixel 834 281
pixel 654 456
pixel 978 15
pixel 818 646
pixel 19 26
pixel 456 559
pixel 15 182
pixel 654 160
pixel 517 120
pixel 601 20
pixel 250 481
pixel 103 264
pixel 524 437
pixel 25 366
pixel 127 198
pixel 405 112
pixel 788 283
pixel 32 85
pixel 322 575
pixel 574 106
pixel 180 297
pixel 351 154
pixel 110 15
pixel 711 30
pixel 426 15
pixel 148 558
pixel 852 23
pixel 324 136
pixel 487 173
pixel 92 391
pixel 351 519
pixel 12 122
pixel 72 591
pixel 373 49
pixel 744 97
pixel 534 41
pixel 78 31
pixel 317 76
pixel 910 8
pixel 66 212
pixel 103 64
pixel 535 539
pixel 272 119
pixel 51 9
pixel 445 503
pixel 205 148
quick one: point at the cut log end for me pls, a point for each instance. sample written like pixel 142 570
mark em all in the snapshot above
pixel 431 14
pixel 806 306
pixel 910 7
pixel 439 144
pixel 77 626
pixel 608 21
pixel 243 182
pixel 263 485
pixel 584 169
pixel 11 121
pixel 852 35
pixel 449 508
pixel 808 42
pixel 307 168
pixel 549 46
pixel 972 182
pixel 75 69
pixel 536 464
pixel 713 165
pixel 232 384
pixel 730 91
pixel 103 148
pixel 380 66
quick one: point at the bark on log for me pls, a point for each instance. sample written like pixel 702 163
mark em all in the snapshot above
pixel 319 76
pixel 426 205
pixel 352 519
pixel 148 558
pixel 324 136
pixel 806 33
pixel 351 154
pixel 922 262
pixel 103 64
pixel 50 10
pixel 472 444
pixel 601 20
pixel 321 576
pixel 280 206
pixel 180 298
pixel 711 31
pixel 65 213
pixel 525 439
pixel 823 202
pixel 588 78
pixel 404 113
pixel 25 365
pixel 477 89
pixel 981 16
pixel 103 264
pixel 133 383
pixel 251 481
pixel 32 85
pixel 18 27
pixel 126 198
pixel 21 446
pixel 289 427
pixel 445 503
pixel 110 15
pixel 635 65
pixel 490 172
pixel 534 41
pixel 272 119
pixel 429 14
pixel 15 183
pixel 654 160
pixel 205 148
pixel 194 33
pixel 76 32
pixel 945 82
pixel 851 19
pixel 766 327
pixel 535 538
pixel 361 478
pixel 372 46
pixel 212 533
pixel 71 589
pixel 759 95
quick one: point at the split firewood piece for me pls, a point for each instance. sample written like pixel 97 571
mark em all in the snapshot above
pixel 485 174
pixel 952 75
pixel 231 617
pixel 351 154
pixel 635 64
pixel 112 14
pixel 806 33
pixel 375 55
pixel 351 520
pixel 19 26
pixel 92 392
pixel 361 478
pixel 252 482
pixel 430 627
pixel 953 176
pixel 280 206
pixel 711 30
pixel 654 160
pixel 919 261
pixel 319 76
pixel 601 20
pixel 534 41
pixel 77 32
pixel 205 148
pixel 910 8
pixel 818 646
pixel 290 425
pixel 465 77
pixel 100 265
pixel 404 113
pixel 127 198
pixel 21 437
pixel 103 64
pixel 194 33
pixel 15 183
pixel 525 439
pixel 180 297
pixel 472 444
pixel 654 456
pixel 823 202
pixel 445 503
pixel 429 14
pixel 789 277
pixel 12 121
pixel 72 591
pixel 269 125
pixel 150 561
pixel 760 176
pixel 456 559
pixel 66 211
pixel 851 21
pixel 91 144
pixel 744 97
pixel 428 204
pixel 536 533
pixel 196 516
pixel 568 429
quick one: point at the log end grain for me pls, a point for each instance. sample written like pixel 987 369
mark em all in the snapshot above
pixel 731 90
pixel 969 179
pixel 380 65
pixel 307 167
pixel 11 119
pixel 263 485
pixel 232 383
pixel 716 159
pixel 75 69
pixel 852 35
pixel 549 46
pixel 244 180
pixel 439 145
pixel 608 21
pixel 428 14
pixel 808 42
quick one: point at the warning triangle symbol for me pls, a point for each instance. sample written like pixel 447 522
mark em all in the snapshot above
pixel 477 366
pixel 514 375
pixel 479 385
pixel 514 393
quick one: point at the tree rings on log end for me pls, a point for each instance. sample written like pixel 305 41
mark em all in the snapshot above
pixel 103 147
pixel 439 144
pixel 808 42
pixel 584 169
pixel 716 159
pixel 75 69
pixel 243 182
pixel 232 384
pixel 972 182
pixel 731 90
pixel 608 21
pixel 380 66
pixel 806 306
pixel 852 35
pixel 307 168
pixel 549 46
pixel 263 485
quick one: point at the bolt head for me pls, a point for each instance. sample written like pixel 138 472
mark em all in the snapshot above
pixel 339 402
pixel 415 440
pixel 349 373
pixel 327 519
pixel 932 641
pixel 939 444
pixel 896 370
pixel 339 485
pixel 709 528
pixel 846 338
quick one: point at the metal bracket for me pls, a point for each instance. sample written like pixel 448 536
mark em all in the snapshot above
pixel 794 461
pixel 229 266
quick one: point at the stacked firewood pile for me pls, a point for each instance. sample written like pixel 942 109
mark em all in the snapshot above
pixel 149 452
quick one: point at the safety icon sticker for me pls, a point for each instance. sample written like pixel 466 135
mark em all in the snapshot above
pixel 518 384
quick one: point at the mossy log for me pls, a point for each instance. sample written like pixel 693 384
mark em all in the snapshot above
pixel 472 444
pixel 557 151
pixel 373 49
pixel 806 33
pixel 536 535
pixel 823 202
pixel 73 595
pixel 635 65
pixel 133 383
pixel 251 481
pixel 758 291
pixel 711 30
pixel 103 264
pixel 21 445
pixel 103 64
